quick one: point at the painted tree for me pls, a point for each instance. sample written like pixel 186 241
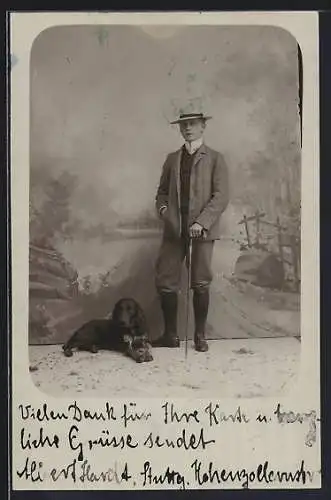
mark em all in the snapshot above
pixel 52 216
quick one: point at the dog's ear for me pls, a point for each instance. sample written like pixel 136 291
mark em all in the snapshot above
pixel 116 311
pixel 140 321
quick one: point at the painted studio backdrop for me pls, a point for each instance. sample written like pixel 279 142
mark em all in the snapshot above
pixel 102 98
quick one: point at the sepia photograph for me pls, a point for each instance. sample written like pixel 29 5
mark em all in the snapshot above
pixel 165 211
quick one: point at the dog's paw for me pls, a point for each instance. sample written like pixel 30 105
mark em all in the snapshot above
pixel 67 352
pixel 138 356
pixel 144 356
pixel 148 357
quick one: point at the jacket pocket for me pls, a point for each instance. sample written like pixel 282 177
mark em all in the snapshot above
pixel 171 222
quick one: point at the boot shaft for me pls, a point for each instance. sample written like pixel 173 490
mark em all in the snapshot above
pixel 201 307
pixel 169 305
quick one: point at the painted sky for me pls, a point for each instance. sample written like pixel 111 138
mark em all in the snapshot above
pixel 102 97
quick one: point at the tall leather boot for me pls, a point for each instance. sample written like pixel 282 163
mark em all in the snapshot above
pixel 200 306
pixel 169 305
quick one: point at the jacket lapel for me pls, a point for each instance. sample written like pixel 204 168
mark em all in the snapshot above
pixel 177 173
pixel 202 151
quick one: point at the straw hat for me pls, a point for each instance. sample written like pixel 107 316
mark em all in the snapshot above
pixel 191 111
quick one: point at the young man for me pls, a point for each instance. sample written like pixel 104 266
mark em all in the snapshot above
pixel 193 193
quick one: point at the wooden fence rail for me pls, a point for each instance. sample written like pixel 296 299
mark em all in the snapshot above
pixel 285 241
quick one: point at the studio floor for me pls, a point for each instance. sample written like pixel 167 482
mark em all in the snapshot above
pixel 234 368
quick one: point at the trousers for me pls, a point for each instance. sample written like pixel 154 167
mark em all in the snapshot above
pixel 170 260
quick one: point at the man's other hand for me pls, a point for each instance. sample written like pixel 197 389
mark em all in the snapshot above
pixel 162 210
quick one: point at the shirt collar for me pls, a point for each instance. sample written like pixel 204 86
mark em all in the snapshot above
pixel 192 147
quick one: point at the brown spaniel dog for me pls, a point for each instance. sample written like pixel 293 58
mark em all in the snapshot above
pixel 126 331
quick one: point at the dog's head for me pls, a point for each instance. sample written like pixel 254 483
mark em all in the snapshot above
pixel 128 314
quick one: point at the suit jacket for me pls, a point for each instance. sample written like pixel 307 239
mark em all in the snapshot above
pixel 209 192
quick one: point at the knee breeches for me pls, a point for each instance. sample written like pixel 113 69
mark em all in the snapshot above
pixel 170 260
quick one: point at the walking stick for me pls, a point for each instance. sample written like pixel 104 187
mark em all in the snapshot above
pixel 188 264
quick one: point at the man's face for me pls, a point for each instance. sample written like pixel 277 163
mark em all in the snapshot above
pixel 192 130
